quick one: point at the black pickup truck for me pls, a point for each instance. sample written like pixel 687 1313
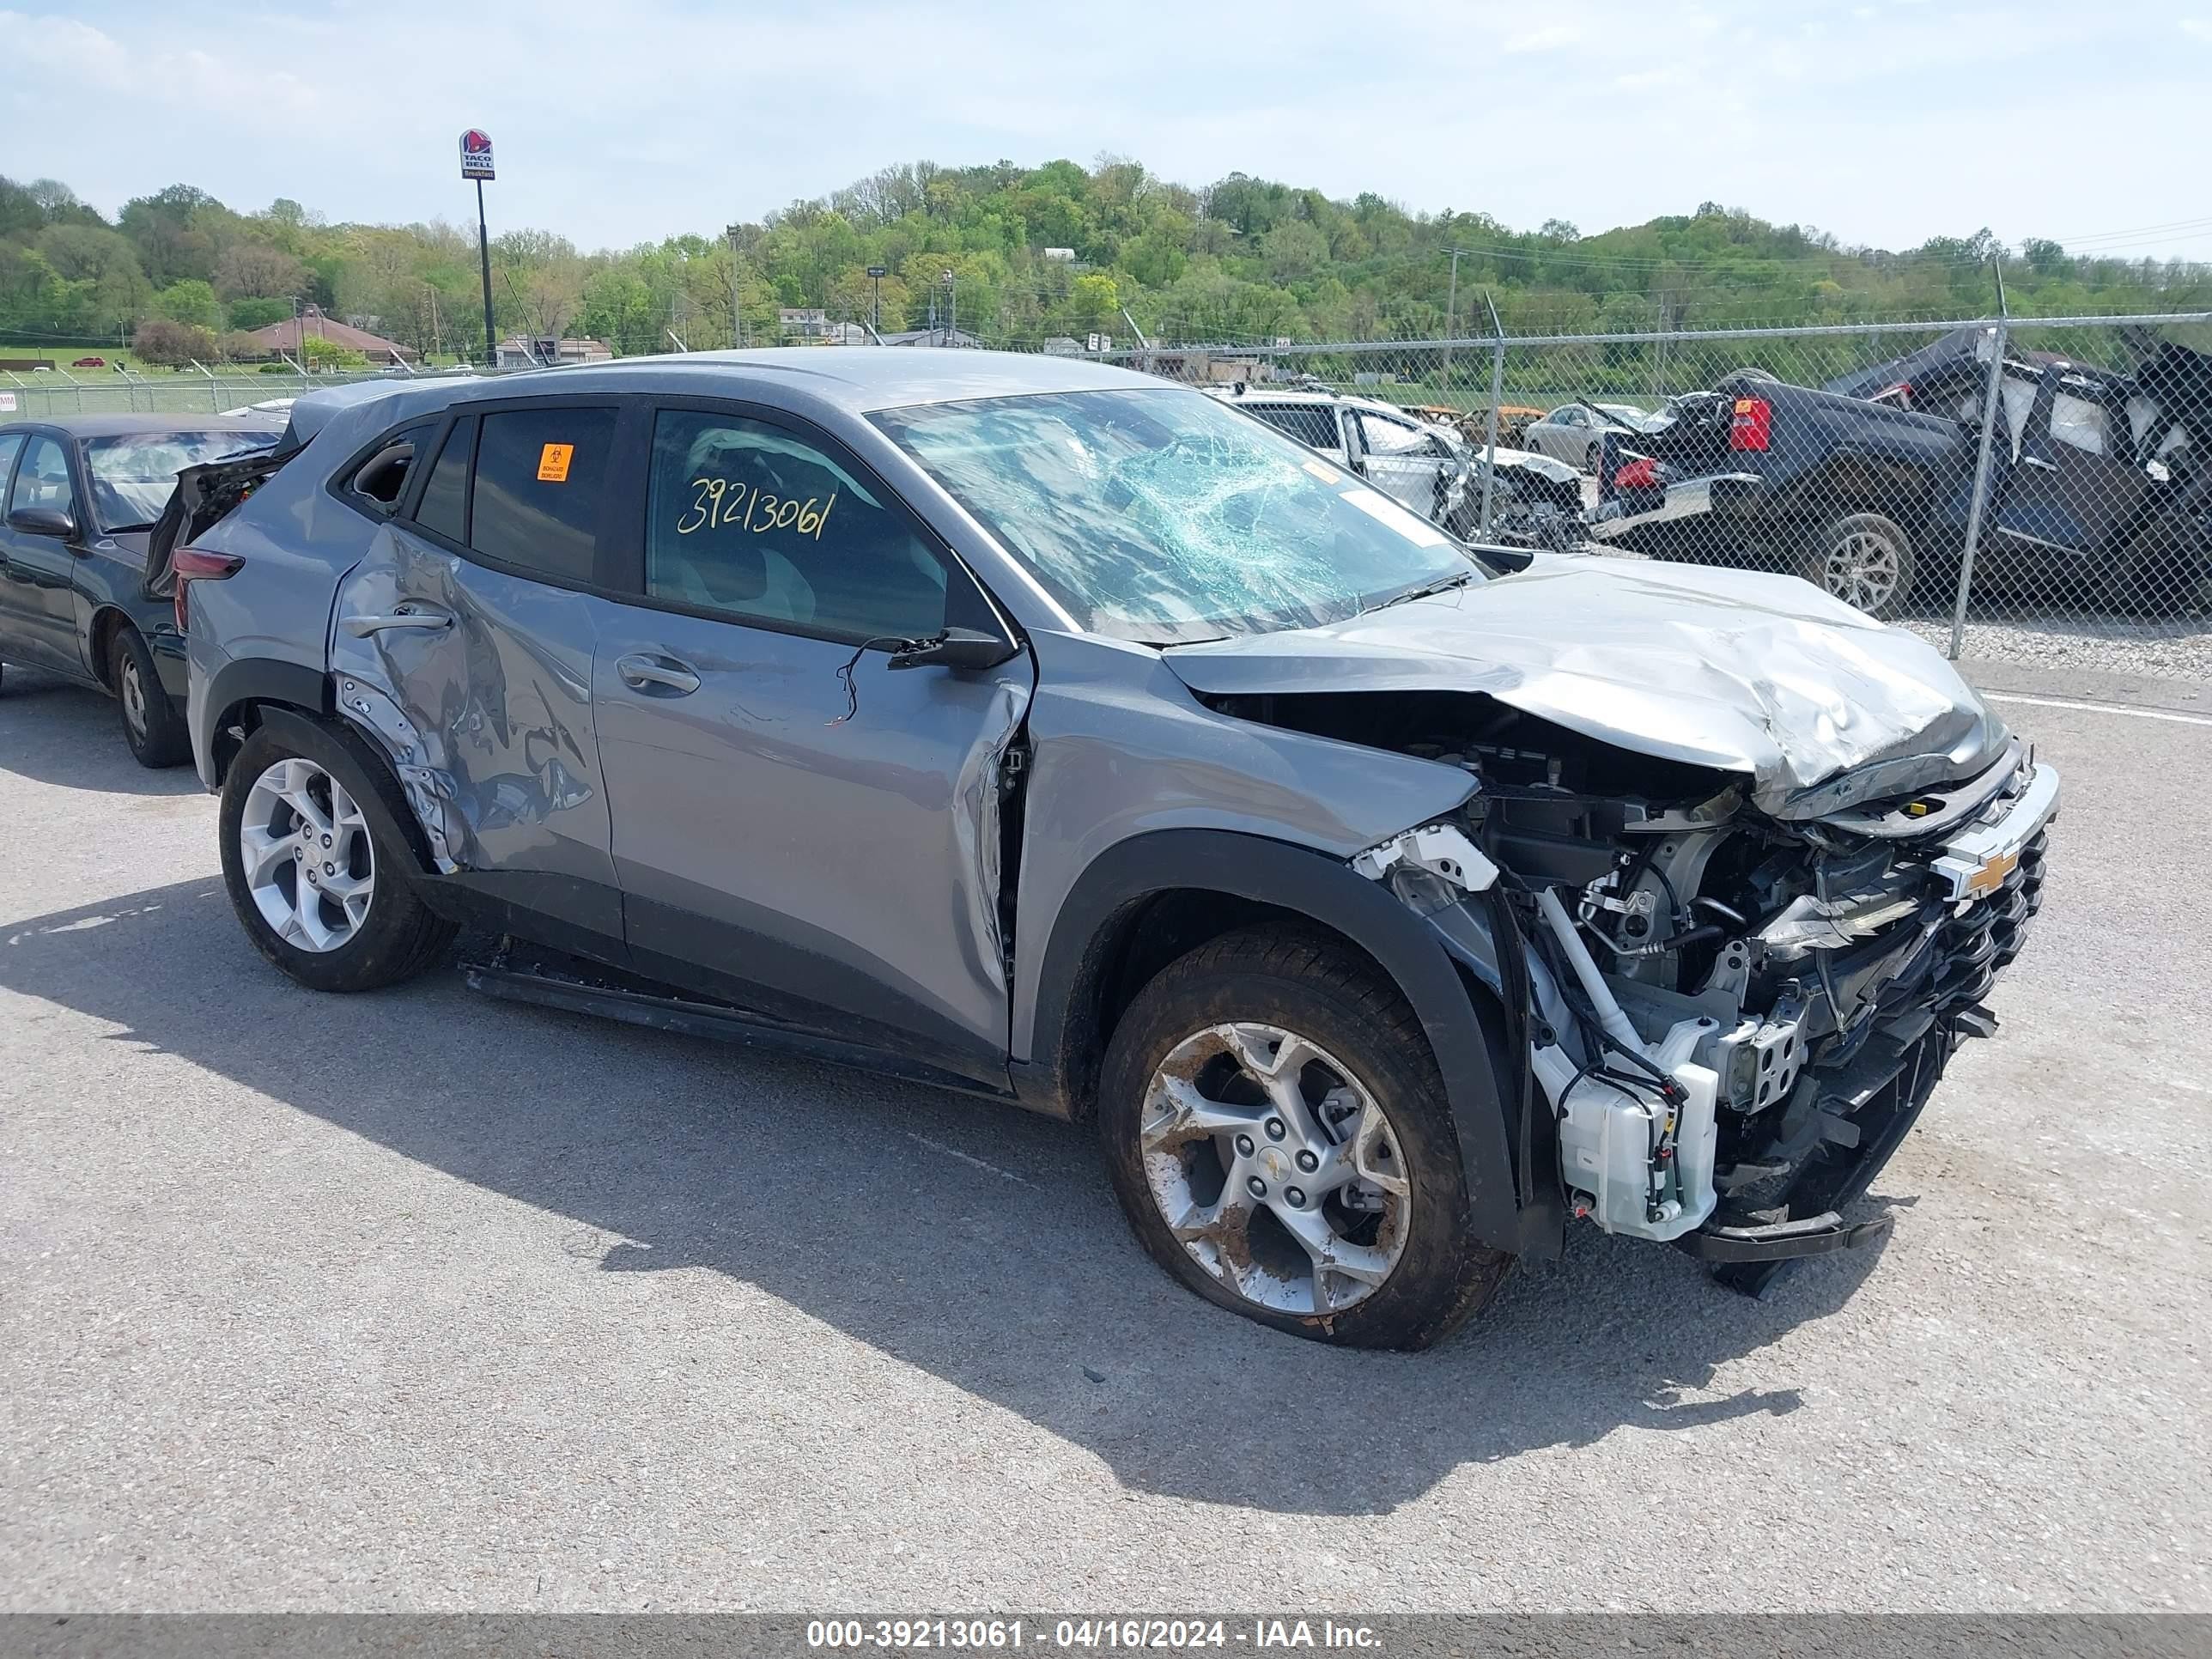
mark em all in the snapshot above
pixel 2100 484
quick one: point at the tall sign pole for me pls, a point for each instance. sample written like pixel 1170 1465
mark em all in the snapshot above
pixel 476 163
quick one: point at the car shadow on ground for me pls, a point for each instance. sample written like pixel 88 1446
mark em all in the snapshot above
pixel 72 736
pixel 972 1240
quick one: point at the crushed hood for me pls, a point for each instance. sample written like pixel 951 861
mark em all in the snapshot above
pixel 1766 676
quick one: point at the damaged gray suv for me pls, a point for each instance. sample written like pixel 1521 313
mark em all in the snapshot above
pixel 1045 731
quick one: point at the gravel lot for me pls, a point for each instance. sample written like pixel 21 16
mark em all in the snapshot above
pixel 420 1301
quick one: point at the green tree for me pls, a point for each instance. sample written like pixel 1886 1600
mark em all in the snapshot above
pixel 191 303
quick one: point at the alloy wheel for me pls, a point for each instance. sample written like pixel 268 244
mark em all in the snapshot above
pixel 309 860
pixel 1863 568
pixel 132 691
pixel 1275 1168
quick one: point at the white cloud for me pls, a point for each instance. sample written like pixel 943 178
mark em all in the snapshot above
pixel 2196 28
pixel 1551 38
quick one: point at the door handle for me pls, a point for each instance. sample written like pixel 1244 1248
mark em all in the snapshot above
pixel 644 673
pixel 2038 464
pixel 427 621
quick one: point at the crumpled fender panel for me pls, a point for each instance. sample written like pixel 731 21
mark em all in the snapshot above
pixel 1740 670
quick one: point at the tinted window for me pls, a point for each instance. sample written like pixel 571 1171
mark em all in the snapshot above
pixel 43 479
pixel 751 518
pixel 9 445
pixel 445 504
pixel 540 476
pixel 1312 424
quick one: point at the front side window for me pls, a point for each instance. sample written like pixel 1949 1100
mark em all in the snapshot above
pixel 752 520
pixel 1385 437
pixel 43 479
pixel 541 478
pixel 11 444
pixel 1162 517
pixel 1567 416
pixel 132 475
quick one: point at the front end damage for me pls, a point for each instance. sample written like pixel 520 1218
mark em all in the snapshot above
pixel 1730 1018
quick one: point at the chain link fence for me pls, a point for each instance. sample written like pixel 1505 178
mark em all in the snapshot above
pixel 2037 489
pixel 48 394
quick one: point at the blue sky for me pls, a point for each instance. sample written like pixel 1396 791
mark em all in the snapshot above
pixel 1884 121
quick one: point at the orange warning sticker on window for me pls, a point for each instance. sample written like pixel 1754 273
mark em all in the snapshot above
pixel 553 462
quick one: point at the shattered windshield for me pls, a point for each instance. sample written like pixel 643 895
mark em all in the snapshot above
pixel 132 475
pixel 1159 516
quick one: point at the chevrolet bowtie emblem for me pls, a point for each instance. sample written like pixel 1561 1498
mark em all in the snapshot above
pixel 1991 876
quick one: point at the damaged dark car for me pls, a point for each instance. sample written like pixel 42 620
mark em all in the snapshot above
pixel 1035 729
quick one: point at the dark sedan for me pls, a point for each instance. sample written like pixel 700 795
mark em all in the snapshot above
pixel 82 493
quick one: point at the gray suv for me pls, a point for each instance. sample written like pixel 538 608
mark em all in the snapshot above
pixel 1047 733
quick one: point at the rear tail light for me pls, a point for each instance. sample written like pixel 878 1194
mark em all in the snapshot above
pixel 1643 473
pixel 191 565
pixel 1754 425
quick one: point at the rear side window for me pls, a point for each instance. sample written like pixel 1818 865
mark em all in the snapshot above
pixel 1313 425
pixel 380 481
pixel 541 476
pixel 445 504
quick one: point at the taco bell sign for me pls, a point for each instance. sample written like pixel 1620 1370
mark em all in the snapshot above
pixel 475 155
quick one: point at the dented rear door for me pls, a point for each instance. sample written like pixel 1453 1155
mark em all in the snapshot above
pixel 465 640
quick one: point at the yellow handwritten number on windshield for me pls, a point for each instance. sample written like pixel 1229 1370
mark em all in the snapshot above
pixel 717 504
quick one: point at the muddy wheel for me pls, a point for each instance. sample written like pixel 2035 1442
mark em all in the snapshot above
pixel 1277 1131
pixel 316 869
pixel 152 728
pixel 1864 559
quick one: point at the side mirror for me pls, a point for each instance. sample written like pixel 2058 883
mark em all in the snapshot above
pixel 44 521
pixel 956 648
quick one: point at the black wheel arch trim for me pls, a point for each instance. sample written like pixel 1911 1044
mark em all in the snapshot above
pixel 1326 890
pixel 262 680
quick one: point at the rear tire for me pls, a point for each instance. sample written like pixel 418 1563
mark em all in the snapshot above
pixel 152 727
pixel 315 918
pixel 1864 559
pixel 1359 1107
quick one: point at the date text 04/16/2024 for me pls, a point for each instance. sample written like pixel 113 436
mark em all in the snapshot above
pixel 1088 1635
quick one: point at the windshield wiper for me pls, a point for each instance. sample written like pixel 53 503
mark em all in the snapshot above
pixel 1434 585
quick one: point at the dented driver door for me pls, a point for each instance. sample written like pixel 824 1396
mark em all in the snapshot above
pixel 813 832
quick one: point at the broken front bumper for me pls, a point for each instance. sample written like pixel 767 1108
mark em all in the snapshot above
pixel 1994 874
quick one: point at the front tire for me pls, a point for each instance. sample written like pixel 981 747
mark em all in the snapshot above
pixel 152 728
pixel 1277 1131
pixel 316 868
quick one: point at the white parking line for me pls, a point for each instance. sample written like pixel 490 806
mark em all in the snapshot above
pixel 2102 708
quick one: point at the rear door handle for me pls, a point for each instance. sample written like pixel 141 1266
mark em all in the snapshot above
pixel 427 621
pixel 660 675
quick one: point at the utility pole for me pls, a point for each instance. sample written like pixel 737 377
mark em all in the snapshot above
pixel 737 312
pixel 1451 315
pixel 952 306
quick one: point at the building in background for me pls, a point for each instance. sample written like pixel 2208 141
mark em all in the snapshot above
pixel 543 352
pixel 285 337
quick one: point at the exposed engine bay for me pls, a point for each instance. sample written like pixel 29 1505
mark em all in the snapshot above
pixel 1733 1018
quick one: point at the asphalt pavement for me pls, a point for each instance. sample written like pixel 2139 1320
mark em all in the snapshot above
pixel 420 1301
